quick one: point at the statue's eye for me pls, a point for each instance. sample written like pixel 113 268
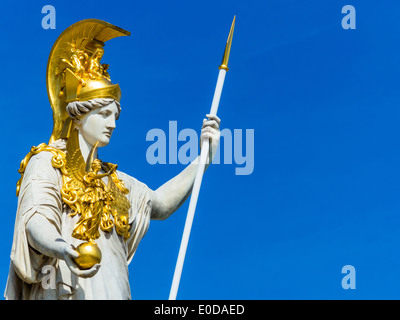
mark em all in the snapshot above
pixel 105 113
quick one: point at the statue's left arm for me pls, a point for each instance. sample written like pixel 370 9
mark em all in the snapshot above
pixel 172 194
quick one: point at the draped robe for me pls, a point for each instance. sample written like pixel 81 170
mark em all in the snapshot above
pixel 40 194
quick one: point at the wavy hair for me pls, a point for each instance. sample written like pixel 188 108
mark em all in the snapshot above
pixel 78 108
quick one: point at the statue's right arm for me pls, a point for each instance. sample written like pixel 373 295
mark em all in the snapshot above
pixel 44 237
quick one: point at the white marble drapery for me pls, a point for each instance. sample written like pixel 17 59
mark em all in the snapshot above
pixel 40 194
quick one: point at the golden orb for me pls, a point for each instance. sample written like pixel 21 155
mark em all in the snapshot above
pixel 89 255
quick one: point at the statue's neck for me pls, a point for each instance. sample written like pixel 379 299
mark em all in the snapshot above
pixel 86 147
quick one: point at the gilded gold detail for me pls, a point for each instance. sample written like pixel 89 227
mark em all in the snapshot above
pixel 227 52
pixel 58 161
pixel 75 71
pixel 89 255
pixel 99 205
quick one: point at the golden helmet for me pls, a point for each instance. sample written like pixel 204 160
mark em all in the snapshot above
pixel 75 71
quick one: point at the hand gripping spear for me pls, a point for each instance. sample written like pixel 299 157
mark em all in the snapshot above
pixel 223 68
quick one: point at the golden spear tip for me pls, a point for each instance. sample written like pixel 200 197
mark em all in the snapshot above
pixel 225 58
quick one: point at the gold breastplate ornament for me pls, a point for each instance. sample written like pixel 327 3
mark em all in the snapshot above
pixel 100 206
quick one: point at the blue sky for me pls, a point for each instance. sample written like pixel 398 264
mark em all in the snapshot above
pixel 324 106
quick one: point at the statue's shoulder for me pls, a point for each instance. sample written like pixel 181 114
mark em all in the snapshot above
pixel 137 190
pixel 43 155
pixel 44 152
pixel 129 180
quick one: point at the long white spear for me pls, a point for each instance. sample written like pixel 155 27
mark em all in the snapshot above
pixel 223 68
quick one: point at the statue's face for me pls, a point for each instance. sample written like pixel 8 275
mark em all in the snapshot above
pixel 98 124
